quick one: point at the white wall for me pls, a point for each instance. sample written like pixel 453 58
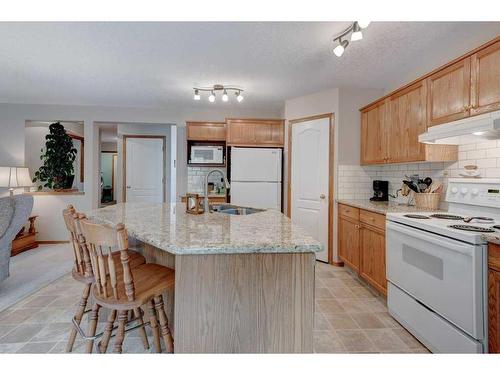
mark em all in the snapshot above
pixel 12 146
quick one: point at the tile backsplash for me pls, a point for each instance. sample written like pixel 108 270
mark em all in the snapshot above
pixel 196 178
pixel 355 182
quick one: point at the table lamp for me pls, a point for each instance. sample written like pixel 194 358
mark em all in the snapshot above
pixel 15 178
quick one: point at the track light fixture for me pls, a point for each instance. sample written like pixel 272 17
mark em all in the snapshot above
pixel 212 90
pixel 355 32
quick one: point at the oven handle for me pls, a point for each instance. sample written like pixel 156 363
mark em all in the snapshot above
pixel 429 237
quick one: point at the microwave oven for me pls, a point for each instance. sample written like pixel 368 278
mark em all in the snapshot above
pixel 207 155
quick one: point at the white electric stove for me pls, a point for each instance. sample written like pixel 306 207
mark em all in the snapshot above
pixel 437 267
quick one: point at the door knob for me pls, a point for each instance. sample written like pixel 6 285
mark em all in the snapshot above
pixel 128 186
pixel 322 196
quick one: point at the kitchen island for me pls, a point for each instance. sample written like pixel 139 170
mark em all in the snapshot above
pixel 243 284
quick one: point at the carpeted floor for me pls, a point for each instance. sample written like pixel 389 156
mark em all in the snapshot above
pixel 34 269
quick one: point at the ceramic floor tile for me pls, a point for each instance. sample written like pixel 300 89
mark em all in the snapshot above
pixel 353 305
pixel 329 305
pixel 321 323
pixel 361 291
pixel 375 305
pixel 10 348
pixel 21 334
pixel 39 301
pixel 341 292
pixel 6 328
pixel 410 341
pixel 367 320
pixel 355 340
pixel 18 316
pixel 322 293
pixel 37 347
pixel 341 321
pixel 385 340
pixel 53 332
pixel 327 342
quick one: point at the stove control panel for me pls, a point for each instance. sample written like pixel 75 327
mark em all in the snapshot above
pixel 478 192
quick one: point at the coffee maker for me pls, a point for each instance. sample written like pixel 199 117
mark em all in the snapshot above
pixel 380 191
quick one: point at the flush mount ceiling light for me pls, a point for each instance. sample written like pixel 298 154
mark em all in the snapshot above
pixel 356 34
pixel 214 89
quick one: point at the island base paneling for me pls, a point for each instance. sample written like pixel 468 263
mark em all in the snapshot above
pixel 240 303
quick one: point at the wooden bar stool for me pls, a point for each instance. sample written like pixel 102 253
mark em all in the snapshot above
pixel 125 288
pixel 82 272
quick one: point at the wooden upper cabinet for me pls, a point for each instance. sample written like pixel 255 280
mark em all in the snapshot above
pixel 406 118
pixel 206 131
pixel 485 80
pixel 448 96
pixel 249 132
pixel 374 134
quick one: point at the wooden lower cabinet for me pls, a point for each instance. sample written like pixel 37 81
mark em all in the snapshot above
pixel 349 242
pixel 494 298
pixel 361 244
pixel 372 257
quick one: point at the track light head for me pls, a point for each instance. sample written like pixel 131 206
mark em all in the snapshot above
pixel 211 98
pixel 239 97
pixel 225 98
pixel 339 50
pixel 356 32
pixel 196 95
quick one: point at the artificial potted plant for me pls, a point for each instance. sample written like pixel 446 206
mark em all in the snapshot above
pixel 57 171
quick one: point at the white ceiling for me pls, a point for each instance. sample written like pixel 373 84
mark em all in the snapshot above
pixel 156 64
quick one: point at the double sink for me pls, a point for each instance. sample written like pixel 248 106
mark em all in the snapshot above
pixel 230 209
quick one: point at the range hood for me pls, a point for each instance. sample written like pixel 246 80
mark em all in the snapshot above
pixel 468 130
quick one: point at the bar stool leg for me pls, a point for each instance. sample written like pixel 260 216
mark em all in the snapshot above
pixel 94 314
pixel 165 330
pixel 144 336
pixel 154 326
pixel 78 316
pixel 108 329
pixel 120 335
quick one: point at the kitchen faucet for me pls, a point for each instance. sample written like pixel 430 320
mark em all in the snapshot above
pixel 226 182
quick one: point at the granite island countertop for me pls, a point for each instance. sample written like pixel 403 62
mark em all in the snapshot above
pixel 168 227
pixel 492 237
pixel 381 207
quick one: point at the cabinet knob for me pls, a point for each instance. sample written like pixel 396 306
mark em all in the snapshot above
pixel 322 196
pixel 357 226
pixel 128 186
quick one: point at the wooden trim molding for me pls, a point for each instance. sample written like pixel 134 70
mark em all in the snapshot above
pixel 331 161
pixel 51 242
pixel 124 162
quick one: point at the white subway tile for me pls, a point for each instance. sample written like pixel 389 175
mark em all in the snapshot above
pixel 476 154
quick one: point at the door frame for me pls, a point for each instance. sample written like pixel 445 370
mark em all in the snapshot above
pixel 331 161
pixel 113 172
pixel 124 162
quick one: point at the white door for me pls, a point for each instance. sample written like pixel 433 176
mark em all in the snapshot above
pixel 309 182
pixel 256 194
pixel 256 164
pixel 144 170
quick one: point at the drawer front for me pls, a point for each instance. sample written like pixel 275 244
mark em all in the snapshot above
pixel 373 219
pixel 349 211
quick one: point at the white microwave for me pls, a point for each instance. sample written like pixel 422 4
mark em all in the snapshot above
pixel 207 155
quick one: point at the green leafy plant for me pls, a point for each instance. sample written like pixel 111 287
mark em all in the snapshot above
pixel 57 170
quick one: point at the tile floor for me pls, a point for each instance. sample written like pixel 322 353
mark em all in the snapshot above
pixel 349 318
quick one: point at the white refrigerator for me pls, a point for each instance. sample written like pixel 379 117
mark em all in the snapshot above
pixel 256 177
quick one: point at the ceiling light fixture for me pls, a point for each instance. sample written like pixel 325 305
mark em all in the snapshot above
pixel 339 50
pixel 213 89
pixel 355 34
pixel 196 95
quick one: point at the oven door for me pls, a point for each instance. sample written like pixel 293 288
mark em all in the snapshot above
pixel 444 274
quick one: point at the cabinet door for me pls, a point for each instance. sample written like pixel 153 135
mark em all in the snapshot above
pixel 348 242
pixel 206 131
pixel 374 135
pixel 448 93
pixel 255 132
pixel 372 255
pixel 406 119
pixel 493 311
pixel 270 133
pixel 485 80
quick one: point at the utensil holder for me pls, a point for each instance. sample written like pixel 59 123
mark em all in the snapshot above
pixel 428 201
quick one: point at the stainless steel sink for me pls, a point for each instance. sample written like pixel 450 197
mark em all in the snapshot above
pixel 230 209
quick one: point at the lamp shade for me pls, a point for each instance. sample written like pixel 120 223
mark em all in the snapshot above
pixel 15 177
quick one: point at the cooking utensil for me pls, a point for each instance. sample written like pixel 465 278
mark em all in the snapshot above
pixel 428 181
pixel 411 185
pixel 481 219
